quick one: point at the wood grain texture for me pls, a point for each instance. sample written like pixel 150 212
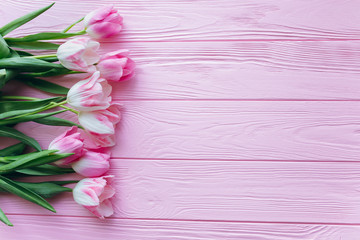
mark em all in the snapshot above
pixel 245 130
pixel 127 229
pixel 294 192
pixel 237 70
pixel 207 20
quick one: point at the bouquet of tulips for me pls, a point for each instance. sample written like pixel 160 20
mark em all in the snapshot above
pixel 84 147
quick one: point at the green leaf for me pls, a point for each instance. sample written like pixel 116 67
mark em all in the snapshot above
pixel 4 219
pixel 13 108
pixel 45 170
pixel 28 64
pixel 6 75
pixel 12 150
pixel 22 20
pixel 44 36
pixel 25 161
pixel 13 133
pixel 45 189
pixel 54 121
pixel 37 45
pixel 52 72
pixel 43 84
pixel 24 54
pixel 22 161
pixel 4 48
pixel 4 122
pixel 14 188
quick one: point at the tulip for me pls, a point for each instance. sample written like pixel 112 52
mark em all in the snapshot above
pixel 79 54
pixel 92 163
pixel 68 142
pixel 101 125
pixel 103 22
pixel 116 66
pixel 94 194
pixel 90 94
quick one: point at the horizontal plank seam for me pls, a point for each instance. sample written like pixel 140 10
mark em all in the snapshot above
pixel 239 40
pixel 233 160
pixel 237 100
pixel 194 220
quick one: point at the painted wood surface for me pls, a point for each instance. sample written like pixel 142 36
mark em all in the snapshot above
pixel 242 122
pixel 206 20
pixel 238 130
pixel 129 229
pixel 310 70
pixel 245 191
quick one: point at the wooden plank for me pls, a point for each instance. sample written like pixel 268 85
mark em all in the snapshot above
pixel 237 70
pixel 245 130
pixel 127 229
pixel 298 192
pixel 203 20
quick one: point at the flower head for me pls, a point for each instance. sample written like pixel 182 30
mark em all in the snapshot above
pixel 101 124
pixel 79 54
pixel 94 163
pixel 90 94
pixel 94 194
pixel 103 22
pixel 116 66
pixel 68 142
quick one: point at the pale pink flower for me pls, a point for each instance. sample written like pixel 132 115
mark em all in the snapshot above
pixel 94 163
pixel 68 142
pixel 94 194
pixel 103 22
pixel 116 66
pixel 79 54
pixel 101 124
pixel 90 94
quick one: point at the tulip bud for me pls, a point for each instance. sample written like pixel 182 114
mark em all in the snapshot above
pixel 116 66
pixel 101 124
pixel 90 94
pixel 92 163
pixel 68 142
pixel 79 54
pixel 103 22
pixel 94 194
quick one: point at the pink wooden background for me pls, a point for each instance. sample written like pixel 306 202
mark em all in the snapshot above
pixel 243 123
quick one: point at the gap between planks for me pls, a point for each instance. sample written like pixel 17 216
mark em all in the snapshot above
pixel 190 220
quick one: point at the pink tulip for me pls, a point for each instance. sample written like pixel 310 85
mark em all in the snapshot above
pixel 79 54
pixel 101 125
pixel 68 142
pixel 90 94
pixel 94 194
pixel 103 22
pixel 116 66
pixel 92 163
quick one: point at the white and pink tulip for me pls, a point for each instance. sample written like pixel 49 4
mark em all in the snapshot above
pixel 79 54
pixel 95 195
pixel 101 125
pixel 90 94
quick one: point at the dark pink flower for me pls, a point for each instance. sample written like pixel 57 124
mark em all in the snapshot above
pixel 103 22
pixel 68 142
pixel 116 66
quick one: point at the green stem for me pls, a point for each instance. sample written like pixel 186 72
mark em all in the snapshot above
pixel 42 56
pixel 47 107
pixel 19 98
pixel 69 109
pixel 69 27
